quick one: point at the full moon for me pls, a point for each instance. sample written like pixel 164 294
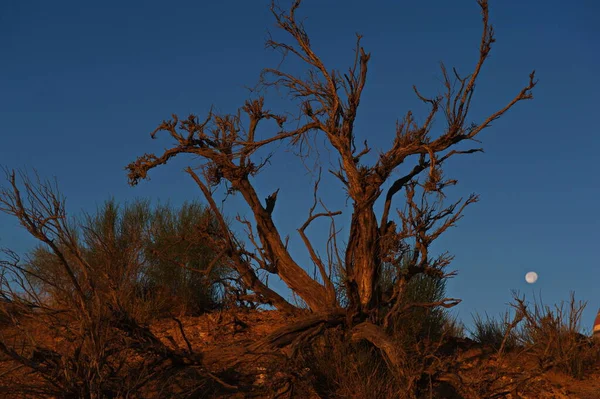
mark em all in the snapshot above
pixel 531 277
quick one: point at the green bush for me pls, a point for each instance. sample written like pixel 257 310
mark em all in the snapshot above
pixel 339 368
pixel 500 334
pixel 418 322
pixel 75 310
pixel 344 368
pixel 152 257
pixel 180 261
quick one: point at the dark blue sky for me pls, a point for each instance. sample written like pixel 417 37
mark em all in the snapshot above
pixel 82 84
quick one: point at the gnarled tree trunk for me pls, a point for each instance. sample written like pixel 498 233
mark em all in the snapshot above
pixel 328 102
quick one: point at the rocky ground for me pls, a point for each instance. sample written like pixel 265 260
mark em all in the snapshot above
pixel 223 339
pixel 223 336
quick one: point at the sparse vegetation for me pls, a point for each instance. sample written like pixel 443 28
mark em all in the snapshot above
pixel 74 312
pixel 554 336
pixel 339 368
pixel 150 256
pixel 150 302
pixel 499 334
pixel 343 367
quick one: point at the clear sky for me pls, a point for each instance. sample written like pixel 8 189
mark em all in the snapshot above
pixel 83 83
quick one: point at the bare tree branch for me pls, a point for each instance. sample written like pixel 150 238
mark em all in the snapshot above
pixel 327 103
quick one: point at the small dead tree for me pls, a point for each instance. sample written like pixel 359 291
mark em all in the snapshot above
pixel 327 106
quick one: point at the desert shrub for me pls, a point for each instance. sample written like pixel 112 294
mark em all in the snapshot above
pixel 420 331
pixel 419 322
pixel 181 264
pixel 453 327
pixel 420 297
pixel 152 258
pixel 554 335
pixel 340 368
pixel 72 313
pixel 497 333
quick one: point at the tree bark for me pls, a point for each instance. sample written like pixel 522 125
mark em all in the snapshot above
pixel 362 255
pixel 311 291
pixel 378 337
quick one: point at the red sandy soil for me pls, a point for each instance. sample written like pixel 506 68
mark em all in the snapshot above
pixel 222 334
pixel 221 338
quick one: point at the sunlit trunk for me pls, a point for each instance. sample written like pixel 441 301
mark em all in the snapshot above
pixel 362 255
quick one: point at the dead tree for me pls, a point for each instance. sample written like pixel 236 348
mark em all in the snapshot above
pixel 328 103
